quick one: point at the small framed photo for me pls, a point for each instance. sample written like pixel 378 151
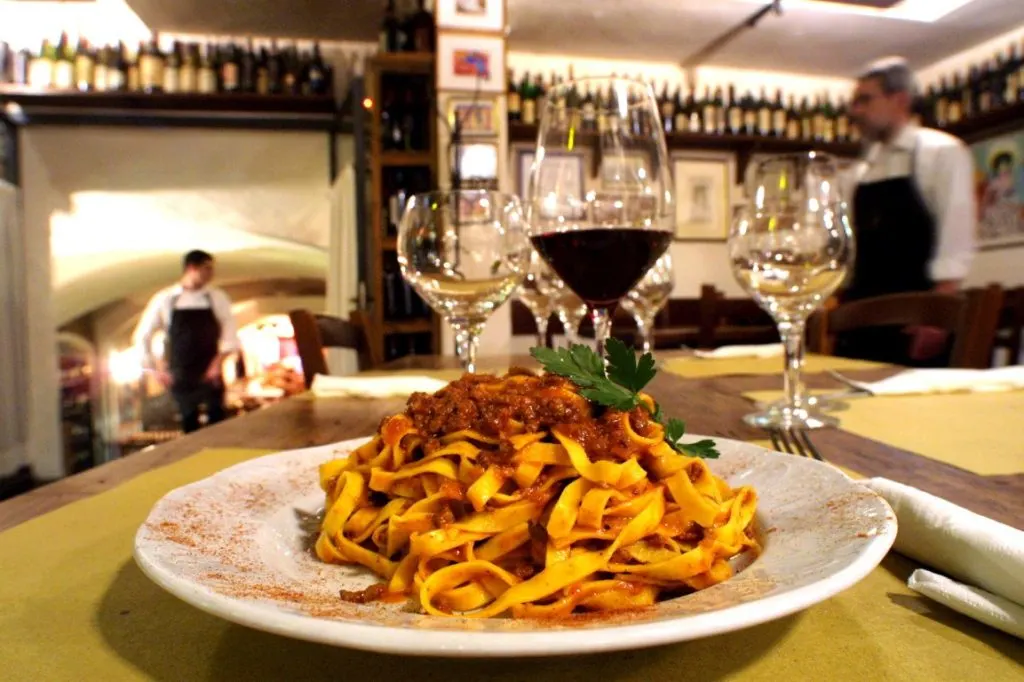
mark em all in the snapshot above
pixel 564 177
pixel 477 160
pixel 475 118
pixel 703 185
pixel 471 15
pixel 470 63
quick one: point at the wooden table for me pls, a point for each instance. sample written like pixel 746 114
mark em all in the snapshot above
pixel 712 406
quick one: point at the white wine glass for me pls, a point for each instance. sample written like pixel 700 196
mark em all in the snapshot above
pixel 465 252
pixel 601 241
pixel 538 291
pixel 790 248
pixel 648 297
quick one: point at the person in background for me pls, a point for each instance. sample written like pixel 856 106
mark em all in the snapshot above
pixel 914 213
pixel 200 334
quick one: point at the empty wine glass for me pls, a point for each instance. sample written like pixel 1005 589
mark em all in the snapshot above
pixel 790 248
pixel 538 292
pixel 601 241
pixel 571 310
pixel 648 297
pixel 465 252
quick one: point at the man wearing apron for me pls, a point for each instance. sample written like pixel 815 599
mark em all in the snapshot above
pixel 914 213
pixel 200 334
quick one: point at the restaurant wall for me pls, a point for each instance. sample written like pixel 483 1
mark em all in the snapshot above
pixel 1003 265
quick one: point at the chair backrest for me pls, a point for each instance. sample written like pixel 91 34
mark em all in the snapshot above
pixel 970 317
pixel 1011 324
pixel 315 332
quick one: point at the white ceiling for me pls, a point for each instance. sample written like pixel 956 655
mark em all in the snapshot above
pixel 806 39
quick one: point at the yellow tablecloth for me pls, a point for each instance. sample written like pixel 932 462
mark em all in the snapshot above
pixel 980 432
pixel 75 607
pixel 699 368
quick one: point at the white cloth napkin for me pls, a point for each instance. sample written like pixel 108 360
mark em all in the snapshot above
pixel 919 381
pixel 374 387
pixel 987 556
pixel 753 350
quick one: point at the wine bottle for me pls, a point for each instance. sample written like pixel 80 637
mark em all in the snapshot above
pixel 983 89
pixel 421 29
pixel 693 112
pixel 247 69
pixel 6 63
pixel 528 100
pixel 680 113
pixel 589 110
pixel 389 30
pixel 806 120
pixel 263 72
pixel 64 65
pixel 968 96
pixel 735 117
pixel 842 121
pixel 793 127
pixel 666 108
pixel 84 66
pixel 206 74
pixel 709 116
pixel 275 69
pixel 955 111
pixel 540 93
pixel 1010 75
pixel 718 105
pixel 188 72
pixel 100 69
pixel 779 116
pixel 172 68
pixel 941 112
pixel 1020 73
pixel 117 72
pixel 40 68
pixel 828 119
pixel 513 100
pixel 291 80
pixel 749 107
pixel 230 69
pixel 134 82
pixel 151 67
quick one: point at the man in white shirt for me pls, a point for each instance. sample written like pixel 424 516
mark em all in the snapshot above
pixel 914 210
pixel 200 335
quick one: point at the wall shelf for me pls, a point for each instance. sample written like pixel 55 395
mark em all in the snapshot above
pixel 1004 120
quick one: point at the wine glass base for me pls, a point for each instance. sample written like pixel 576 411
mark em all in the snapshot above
pixel 783 417
pixel 814 403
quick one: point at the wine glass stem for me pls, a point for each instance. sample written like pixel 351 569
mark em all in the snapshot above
pixel 467 337
pixel 645 325
pixel 542 330
pixel 792 333
pixel 602 319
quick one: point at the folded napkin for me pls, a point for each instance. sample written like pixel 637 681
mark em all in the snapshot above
pixel 987 556
pixel 374 387
pixel 918 381
pixel 766 350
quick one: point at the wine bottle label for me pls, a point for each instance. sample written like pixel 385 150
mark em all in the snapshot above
pixel 985 101
pixel 262 82
pixel 84 72
pixel 151 72
pixel 1010 94
pixel 99 77
pixel 829 130
pixel 710 119
pixel 530 111
pixel 779 122
pixel 63 75
pixel 188 79
pixel 764 121
pixel 116 79
pixel 666 111
pixel 942 111
pixel 229 73
pixel 719 120
pixel 843 127
pixel 514 108
pixel 695 122
pixel 806 128
pixel 793 129
pixel 750 121
pixel 955 112
pixel 602 121
pixel 40 73
pixel 819 126
pixel 735 119
pixel 681 122
pixel 589 112
pixel 207 81
pixel 172 80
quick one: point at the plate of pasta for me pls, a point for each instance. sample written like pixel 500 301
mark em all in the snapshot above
pixel 516 515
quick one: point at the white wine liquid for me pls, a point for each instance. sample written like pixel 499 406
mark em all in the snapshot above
pixel 469 298
pixel 789 285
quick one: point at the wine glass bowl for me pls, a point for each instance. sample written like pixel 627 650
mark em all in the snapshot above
pixel 538 292
pixel 602 240
pixel 645 300
pixel 790 248
pixel 465 252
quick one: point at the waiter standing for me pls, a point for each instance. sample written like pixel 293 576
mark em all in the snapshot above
pixel 200 334
pixel 914 212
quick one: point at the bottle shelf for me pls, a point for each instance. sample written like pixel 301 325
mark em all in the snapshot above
pixel 1002 120
pixel 404 62
pixel 25 105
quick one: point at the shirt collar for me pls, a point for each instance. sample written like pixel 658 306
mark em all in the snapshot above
pixel 905 141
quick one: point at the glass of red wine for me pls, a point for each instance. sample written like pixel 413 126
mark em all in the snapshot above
pixel 600 207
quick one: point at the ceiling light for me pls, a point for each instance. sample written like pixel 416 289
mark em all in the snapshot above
pixel 925 11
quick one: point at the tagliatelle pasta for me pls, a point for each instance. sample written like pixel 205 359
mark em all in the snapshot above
pixel 516 495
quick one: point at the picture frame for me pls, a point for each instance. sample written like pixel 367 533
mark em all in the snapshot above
pixel 470 63
pixel 999 190
pixel 479 117
pixel 470 15
pixel 477 160
pixel 618 171
pixel 703 186
pixel 570 171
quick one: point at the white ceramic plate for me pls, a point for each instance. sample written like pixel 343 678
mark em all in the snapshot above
pixel 237 545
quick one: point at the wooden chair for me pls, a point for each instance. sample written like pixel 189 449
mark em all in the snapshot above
pixel 1010 325
pixel 726 321
pixel 315 332
pixel 969 318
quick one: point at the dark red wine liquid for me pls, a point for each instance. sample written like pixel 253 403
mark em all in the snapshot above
pixel 601 265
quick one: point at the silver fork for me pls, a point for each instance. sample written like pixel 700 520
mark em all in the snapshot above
pixel 794 441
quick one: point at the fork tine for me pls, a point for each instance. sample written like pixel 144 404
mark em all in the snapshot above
pixel 811 451
pixel 789 434
pixel 780 441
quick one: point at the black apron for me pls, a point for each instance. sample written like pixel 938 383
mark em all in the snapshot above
pixel 193 341
pixel 895 239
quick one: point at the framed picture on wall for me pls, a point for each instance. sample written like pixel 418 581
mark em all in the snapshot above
pixel 477 118
pixel 703 185
pixel 621 170
pixel 999 188
pixel 477 160
pixel 473 15
pixel 470 63
pixel 564 178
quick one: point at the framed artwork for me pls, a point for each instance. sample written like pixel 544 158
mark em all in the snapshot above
pixel 472 15
pixel 477 160
pixel 479 118
pixel 470 63
pixel 703 203
pixel 619 171
pixel 999 188
pixel 564 177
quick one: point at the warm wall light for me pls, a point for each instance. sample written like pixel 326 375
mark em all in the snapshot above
pixel 367 103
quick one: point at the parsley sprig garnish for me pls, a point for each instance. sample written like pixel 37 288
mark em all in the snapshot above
pixel 618 386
